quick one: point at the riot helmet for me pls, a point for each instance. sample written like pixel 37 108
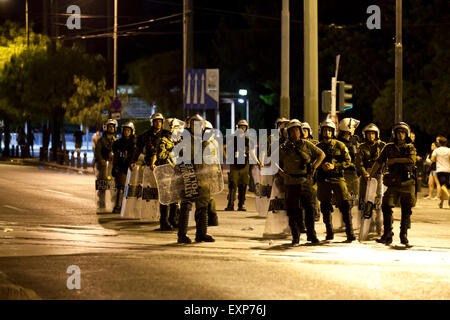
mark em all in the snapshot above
pixel 195 117
pixel 328 123
pixel 242 123
pixel 130 125
pixel 348 125
pixel 295 123
pixel 306 125
pixel 404 127
pixel 279 121
pixel 113 123
pixel 156 116
pixel 371 127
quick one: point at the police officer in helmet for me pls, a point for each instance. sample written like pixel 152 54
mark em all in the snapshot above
pixel 400 158
pixel 299 159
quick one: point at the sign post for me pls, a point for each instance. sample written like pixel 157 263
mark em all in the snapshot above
pixel 202 89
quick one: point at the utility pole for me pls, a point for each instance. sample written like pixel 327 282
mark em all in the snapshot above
pixel 398 64
pixel 311 82
pixel 26 23
pixel 188 44
pixel 284 98
pixel 115 50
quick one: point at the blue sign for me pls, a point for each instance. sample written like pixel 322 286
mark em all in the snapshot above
pixel 202 89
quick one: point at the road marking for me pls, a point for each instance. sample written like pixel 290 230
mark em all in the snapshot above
pixel 63 193
pixel 14 208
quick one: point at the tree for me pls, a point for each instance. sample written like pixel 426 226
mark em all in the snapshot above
pixel 87 103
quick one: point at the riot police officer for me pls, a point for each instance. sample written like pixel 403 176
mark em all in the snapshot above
pixel 299 159
pixel 308 134
pixel 239 172
pixel 196 126
pixel 123 150
pixel 168 213
pixel 346 135
pixel 368 152
pixel 149 140
pixel 400 158
pixel 330 179
pixel 104 154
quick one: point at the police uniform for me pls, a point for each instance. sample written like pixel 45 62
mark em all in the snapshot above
pixel 239 173
pixel 123 150
pixel 333 182
pixel 168 213
pixel 104 152
pixel 204 193
pixel 311 139
pixel 400 182
pixel 368 152
pixel 295 160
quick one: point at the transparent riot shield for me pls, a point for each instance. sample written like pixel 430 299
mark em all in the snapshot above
pixel 132 196
pixel 105 187
pixel 150 203
pixel 277 221
pixel 181 182
pixel 263 189
pixel 367 208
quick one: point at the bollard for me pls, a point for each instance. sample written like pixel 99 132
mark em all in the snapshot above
pixel 66 157
pixel 78 160
pixel 72 160
pixel 85 164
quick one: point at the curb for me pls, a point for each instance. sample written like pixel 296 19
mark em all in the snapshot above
pixel 11 291
pixel 53 165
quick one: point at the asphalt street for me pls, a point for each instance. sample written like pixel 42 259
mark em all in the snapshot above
pixel 48 222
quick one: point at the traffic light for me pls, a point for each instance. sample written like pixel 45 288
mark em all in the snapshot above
pixel 326 101
pixel 344 95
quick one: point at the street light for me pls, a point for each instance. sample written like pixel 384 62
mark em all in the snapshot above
pixel 243 92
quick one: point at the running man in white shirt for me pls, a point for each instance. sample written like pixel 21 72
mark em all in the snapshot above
pixel 442 157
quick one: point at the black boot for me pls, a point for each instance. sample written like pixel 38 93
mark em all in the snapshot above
pixel 202 226
pixel 174 214
pixel 309 221
pixel 404 237
pixel 294 229
pixel 119 198
pixel 163 220
pixel 328 225
pixel 386 238
pixel 183 222
pixel 242 189
pixel 231 195
pixel 347 218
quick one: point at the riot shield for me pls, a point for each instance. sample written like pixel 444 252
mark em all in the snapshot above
pixel 181 182
pixel 367 208
pixel 263 189
pixel 277 222
pixel 132 196
pixel 150 203
pixel 105 187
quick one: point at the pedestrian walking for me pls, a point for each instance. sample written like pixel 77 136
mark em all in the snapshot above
pixel 400 158
pixel 299 160
pixel 21 141
pixel 432 177
pixel 442 158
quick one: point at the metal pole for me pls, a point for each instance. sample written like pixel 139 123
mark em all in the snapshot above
pixel 26 23
pixel 311 82
pixel 184 52
pixel 115 50
pixel 284 97
pixel 247 110
pixel 398 64
pixel 232 116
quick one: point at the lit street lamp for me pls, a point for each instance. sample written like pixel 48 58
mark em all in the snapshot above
pixel 243 92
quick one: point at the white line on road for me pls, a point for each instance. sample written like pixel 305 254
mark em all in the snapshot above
pixel 14 208
pixel 63 193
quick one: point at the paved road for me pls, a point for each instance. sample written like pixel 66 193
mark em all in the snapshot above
pixel 48 223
